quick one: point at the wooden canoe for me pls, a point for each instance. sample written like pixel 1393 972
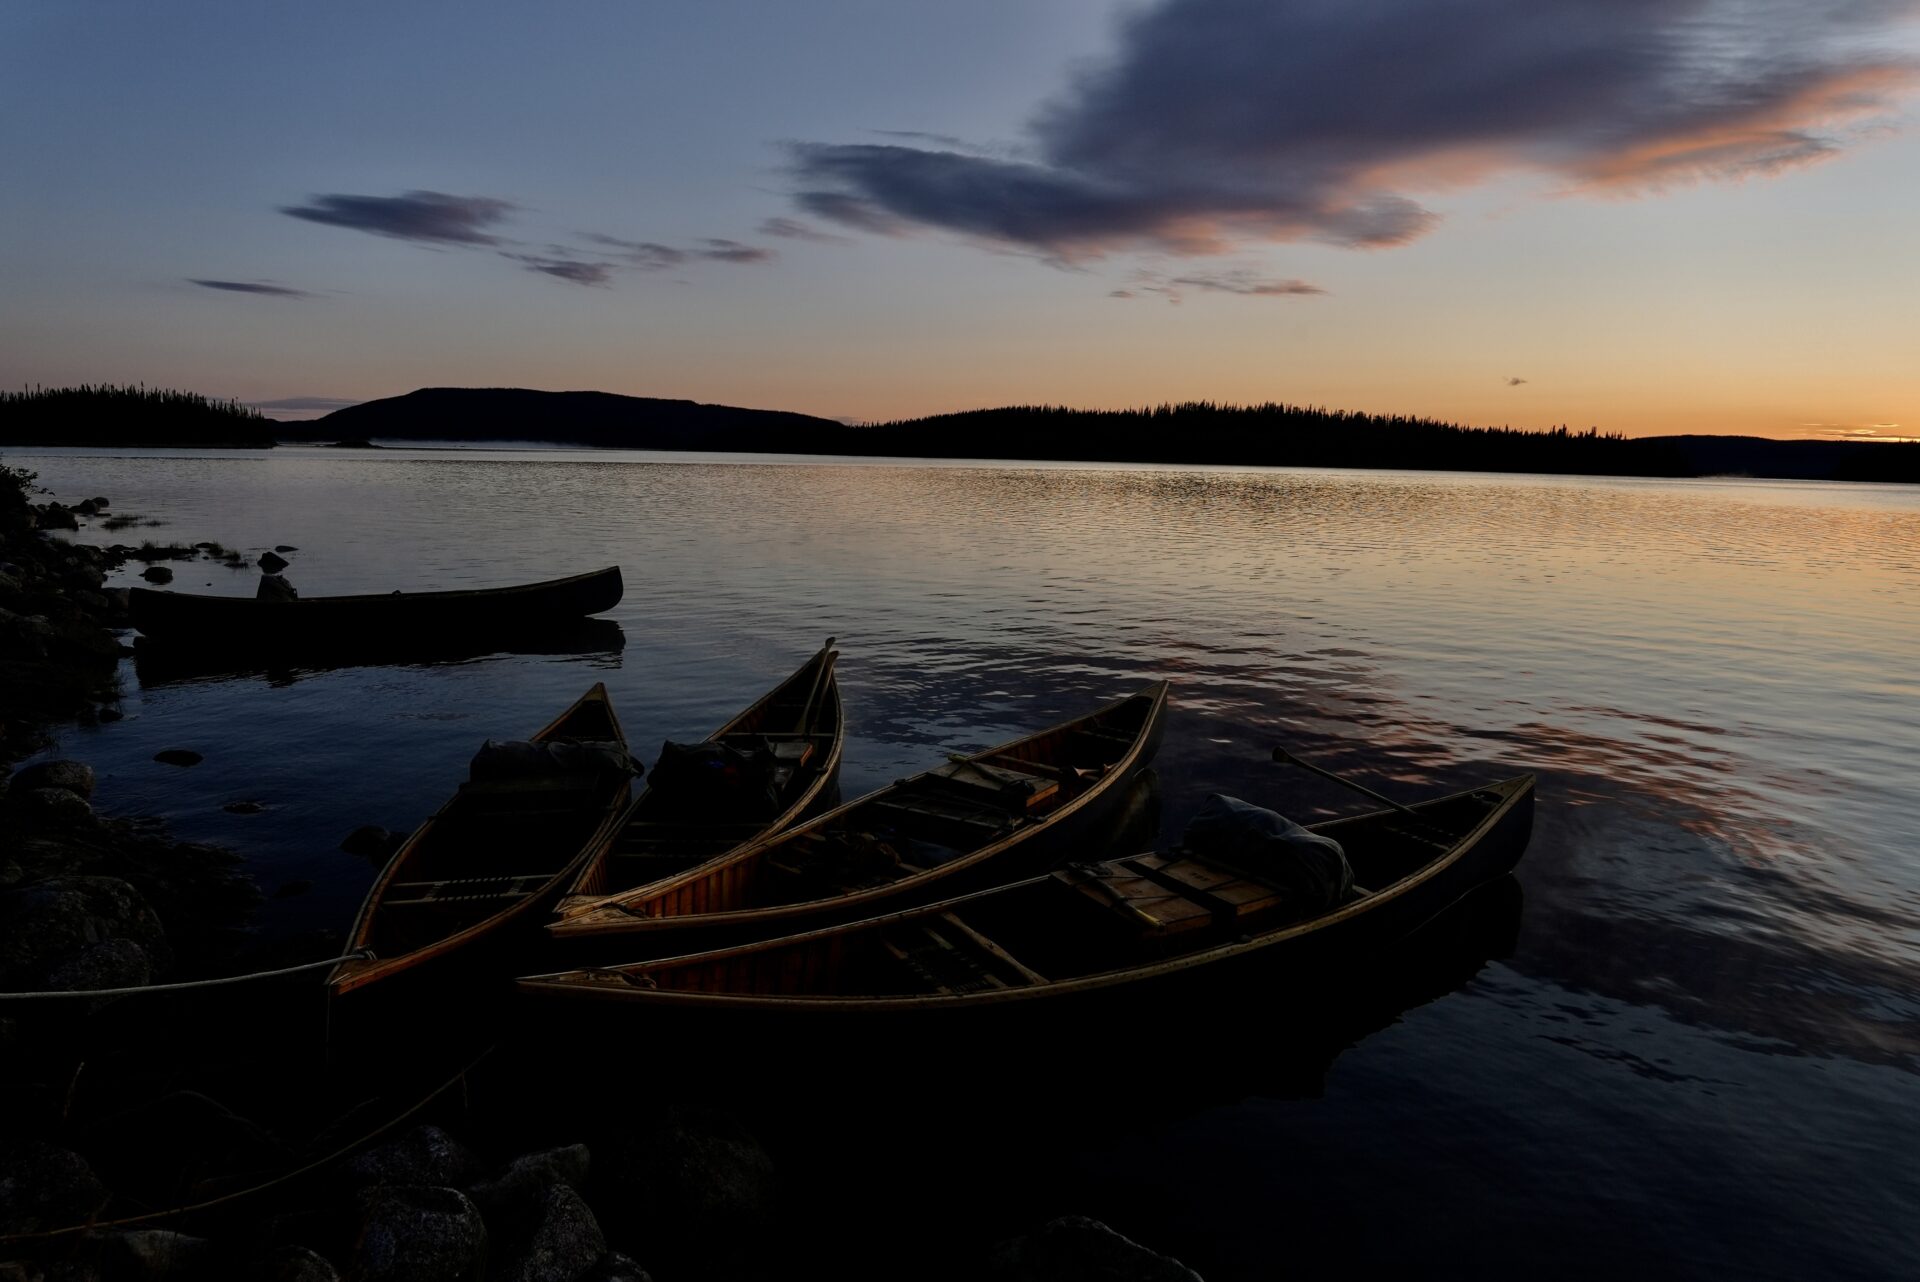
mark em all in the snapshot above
pixel 1117 930
pixel 1001 812
pixel 800 721
pixel 227 621
pixel 494 857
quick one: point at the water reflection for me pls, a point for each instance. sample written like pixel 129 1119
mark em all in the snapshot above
pixel 1714 681
pixel 160 663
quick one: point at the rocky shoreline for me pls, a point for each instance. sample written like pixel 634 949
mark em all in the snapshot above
pixel 113 1111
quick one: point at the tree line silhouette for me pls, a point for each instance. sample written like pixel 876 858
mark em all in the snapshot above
pixel 1270 434
pixel 134 414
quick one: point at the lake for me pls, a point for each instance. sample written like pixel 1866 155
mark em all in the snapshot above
pixel 1697 1051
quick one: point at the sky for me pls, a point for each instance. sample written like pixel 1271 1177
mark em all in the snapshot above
pixel 1649 216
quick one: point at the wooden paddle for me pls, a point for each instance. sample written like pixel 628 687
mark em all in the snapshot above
pixel 810 712
pixel 1286 758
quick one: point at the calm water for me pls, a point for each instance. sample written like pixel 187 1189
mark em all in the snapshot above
pixel 1700 1054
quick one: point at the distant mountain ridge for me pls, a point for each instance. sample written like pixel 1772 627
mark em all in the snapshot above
pixel 1195 432
pixel 602 419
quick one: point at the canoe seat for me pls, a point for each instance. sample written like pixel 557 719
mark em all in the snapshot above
pixel 1001 786
pixel 1159 896
pixel 464 890
pixel 959 822
pixel 948 956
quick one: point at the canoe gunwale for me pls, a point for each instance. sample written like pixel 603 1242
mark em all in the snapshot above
pixel 1519 795
pixel 601 922
pixel 350 975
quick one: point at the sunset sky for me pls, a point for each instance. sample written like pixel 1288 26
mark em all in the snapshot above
pixel 1648 215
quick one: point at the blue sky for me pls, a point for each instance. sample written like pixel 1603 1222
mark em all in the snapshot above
pixel 1690 215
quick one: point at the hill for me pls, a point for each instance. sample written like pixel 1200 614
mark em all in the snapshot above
pixel 600 419
pixel 1193 432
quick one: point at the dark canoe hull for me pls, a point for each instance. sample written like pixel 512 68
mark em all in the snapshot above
pixel 465 932
pixel 817 688
pixel 224 622
pixel 1081 831
pixel 1176 984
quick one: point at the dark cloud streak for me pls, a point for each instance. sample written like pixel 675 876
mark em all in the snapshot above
pixel 249 287
pixel 429 217
pixel 732 251
pixel 571 270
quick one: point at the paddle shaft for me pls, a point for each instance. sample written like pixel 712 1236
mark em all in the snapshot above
pixel 1287 758
pixel 809 713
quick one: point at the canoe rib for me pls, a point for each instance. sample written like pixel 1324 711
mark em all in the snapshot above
pixel 706 899
pixel 824 709
pixel 592 710
pixel 723 979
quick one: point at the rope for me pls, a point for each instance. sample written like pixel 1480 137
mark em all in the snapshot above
pixel 359 954
pixel 308 1169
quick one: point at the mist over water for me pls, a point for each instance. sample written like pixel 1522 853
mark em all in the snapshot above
pixel 1702 1051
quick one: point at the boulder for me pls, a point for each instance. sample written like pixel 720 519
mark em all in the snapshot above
pixel 370 841
pixel 74 776
pixel 100 502
pixel 418 1234
pixel 45 1187
pixel 272 562
pixel 157 574
pixel 178 757
pixel 695 1186
pixel 86 507
pixel 424 1155
pixel 295 1264
pixel 285 547
pixel 526 1178
pixel 154 1255
pixel 557 1242
pixel 615 1267
pixel 1074 1248
pixel 51 808
pixel 51 923
pixel 113 963
pixel 53 516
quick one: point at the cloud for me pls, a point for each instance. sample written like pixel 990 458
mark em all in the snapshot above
pixel 732 251
pixel 1862 431
pixel 651 256
pixel 1230 280
pixel 642 255
pixel 794 229
pixel 249 287
pixel 562 267
pixel 429 217
pixel 1220 122
pixel 1515 382
pixel 1240 282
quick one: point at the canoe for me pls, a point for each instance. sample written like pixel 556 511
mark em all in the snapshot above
pixel 797 724
pixel 494 857
pixel 991 815
pixel 231 620
pixel 1119 930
